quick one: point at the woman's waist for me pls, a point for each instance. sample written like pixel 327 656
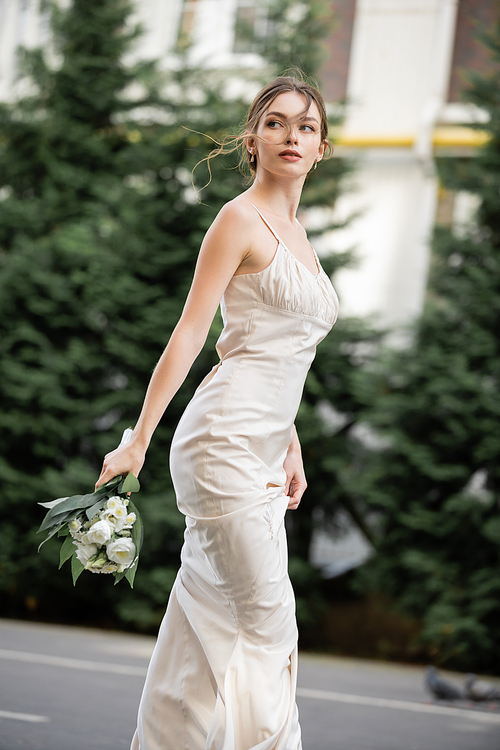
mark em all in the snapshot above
pixel 239 422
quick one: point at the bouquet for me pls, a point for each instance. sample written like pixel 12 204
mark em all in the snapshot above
pixel 103 530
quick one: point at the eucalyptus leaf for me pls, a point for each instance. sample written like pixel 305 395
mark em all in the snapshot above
pixel 53 526
pixel 77 569
pixel 137 531
pixel 75 502
pixel 53 503
pixel 130 484
pixel 68 548
pixel 71 503
pixel 109 485
pixel 63 530
pixel 130 573
pixel 95 508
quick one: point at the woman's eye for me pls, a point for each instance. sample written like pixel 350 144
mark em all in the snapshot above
pixel 274 124
pixel 309 128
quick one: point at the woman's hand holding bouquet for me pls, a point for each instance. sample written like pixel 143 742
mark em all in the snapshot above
pixel 103 530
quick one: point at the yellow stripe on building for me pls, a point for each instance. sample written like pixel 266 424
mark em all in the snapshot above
pixel 449 136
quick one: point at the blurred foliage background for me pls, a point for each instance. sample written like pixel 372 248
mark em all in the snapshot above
pixel 99 232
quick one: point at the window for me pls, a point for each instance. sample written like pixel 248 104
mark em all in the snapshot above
pixel 250 23
pixel 186 25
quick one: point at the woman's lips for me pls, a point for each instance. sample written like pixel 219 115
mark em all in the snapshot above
pixel 290 155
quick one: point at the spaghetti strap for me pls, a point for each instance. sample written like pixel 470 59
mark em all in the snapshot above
pixel 277 237
pixel 275 234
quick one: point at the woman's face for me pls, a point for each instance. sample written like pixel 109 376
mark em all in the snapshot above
pixel 288 144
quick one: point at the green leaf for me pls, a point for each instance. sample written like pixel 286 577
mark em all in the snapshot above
pixel 63 530
pixel 130 573
pixel 137 531
pixel 53 531
pixel 76 502
pixel 109 485
pixel 53 503
pixel 68 548
pixel 96 507
pixel 130 484
pixel 76 569
pixel 69 504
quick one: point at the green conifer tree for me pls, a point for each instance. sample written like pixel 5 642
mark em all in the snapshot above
pixel 99 232
pixel 435 490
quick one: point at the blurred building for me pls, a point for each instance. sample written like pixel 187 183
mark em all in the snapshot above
pixel 400 64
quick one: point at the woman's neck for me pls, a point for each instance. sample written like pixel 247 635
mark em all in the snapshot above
pixel 276 197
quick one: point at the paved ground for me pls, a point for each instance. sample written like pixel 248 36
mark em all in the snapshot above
pixel 75 689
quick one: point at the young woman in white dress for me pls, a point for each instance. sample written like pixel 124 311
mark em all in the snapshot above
pixel 223 673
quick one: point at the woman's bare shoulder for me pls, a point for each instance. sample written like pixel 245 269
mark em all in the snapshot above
pixel 238 211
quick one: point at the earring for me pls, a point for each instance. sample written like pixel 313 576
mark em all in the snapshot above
pixel 252 157
pixel 315 163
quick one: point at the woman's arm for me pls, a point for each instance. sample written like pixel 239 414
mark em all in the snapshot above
pixel 295 477
pixel 225 246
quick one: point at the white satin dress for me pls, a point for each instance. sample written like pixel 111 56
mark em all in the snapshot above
pixel 223 672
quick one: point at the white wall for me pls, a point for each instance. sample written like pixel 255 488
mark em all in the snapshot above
pixel 398 79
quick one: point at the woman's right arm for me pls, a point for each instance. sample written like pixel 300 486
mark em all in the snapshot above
pixel 224 248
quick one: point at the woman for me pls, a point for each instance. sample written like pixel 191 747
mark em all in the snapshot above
pixel 223 673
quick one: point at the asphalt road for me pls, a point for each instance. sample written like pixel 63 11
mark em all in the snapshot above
pixel 76 689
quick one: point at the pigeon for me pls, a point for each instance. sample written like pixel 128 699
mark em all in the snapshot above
pixel 480 690
pixel 441 688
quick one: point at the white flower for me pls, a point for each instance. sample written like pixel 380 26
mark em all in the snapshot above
pixel 116 517
pixel 120 512
pixel 85 551
pixel 121 551
pixel 110 568
pixel 114 502
pixel 129 521
pixel 99 533
pixel 74 527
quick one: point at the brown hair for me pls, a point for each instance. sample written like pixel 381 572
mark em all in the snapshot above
pixel 259 105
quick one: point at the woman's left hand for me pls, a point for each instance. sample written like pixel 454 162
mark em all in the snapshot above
pixel 295 476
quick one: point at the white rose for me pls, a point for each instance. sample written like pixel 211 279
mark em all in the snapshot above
pixel 121 551
pixel 85 551
pixel 130 519
pixel 99 533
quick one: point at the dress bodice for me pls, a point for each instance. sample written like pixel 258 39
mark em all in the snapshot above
pixel 286 286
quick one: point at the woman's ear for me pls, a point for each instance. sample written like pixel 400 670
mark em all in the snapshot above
pixel 250 144
pixel 321 150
